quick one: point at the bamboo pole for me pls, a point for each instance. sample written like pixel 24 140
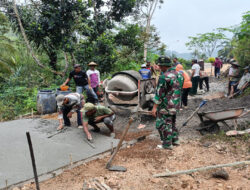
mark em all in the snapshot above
pixel 168 174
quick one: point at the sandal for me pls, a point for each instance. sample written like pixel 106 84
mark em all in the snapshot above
pixel 59 128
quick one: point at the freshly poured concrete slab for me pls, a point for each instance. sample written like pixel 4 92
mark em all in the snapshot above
pixel 50 153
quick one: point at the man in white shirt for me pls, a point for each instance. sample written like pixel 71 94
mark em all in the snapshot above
pixel 195 76
pixel 67 105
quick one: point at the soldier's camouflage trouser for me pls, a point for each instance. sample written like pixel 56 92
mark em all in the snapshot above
pixel 165 124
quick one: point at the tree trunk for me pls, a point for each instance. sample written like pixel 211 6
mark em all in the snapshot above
pixel 146 40
pixel 53 60
pixel 150 14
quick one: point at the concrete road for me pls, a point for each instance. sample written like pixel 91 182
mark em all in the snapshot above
pixel 50 153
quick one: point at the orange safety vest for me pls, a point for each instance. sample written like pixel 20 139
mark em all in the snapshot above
pixel 187 80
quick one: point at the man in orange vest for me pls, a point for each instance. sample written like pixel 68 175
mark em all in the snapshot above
pixel 187 85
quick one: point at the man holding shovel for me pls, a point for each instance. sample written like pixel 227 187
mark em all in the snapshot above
pixel 167 103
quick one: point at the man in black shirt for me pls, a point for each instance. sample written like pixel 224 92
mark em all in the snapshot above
pixel 82 82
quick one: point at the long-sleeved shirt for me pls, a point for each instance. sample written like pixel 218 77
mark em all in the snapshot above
pixel 75 100
pixel 168 92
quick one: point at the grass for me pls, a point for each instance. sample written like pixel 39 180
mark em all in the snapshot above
pixel 245 93
pixel 221 136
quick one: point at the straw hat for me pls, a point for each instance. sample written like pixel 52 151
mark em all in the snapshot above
pixel 92 64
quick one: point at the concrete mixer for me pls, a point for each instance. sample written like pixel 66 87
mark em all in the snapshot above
pixel 126 89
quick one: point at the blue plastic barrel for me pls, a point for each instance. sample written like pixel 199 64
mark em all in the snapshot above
pixel 58 92
pixel 46 102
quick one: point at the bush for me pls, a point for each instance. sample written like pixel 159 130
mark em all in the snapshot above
pixel 15 101
pixel 211 59
pixel 185 63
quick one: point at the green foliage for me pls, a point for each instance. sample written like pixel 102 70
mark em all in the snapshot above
pixel 239 46
pixel 185 63
pixel 101 51
pixel 85 30
pixel 211 59
pixel 7 50
pixel 16 100
pixel 241 41
pixel 206 43
pixel 51 25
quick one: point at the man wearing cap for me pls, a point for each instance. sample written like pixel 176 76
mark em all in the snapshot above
pixel 167 103
pixel 145 73
pixel 92 115
pixel 82 81
pixel 94 76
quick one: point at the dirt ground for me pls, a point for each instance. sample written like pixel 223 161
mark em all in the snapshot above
pixel 143 160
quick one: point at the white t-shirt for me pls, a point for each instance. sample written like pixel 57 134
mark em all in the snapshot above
pixel 196 68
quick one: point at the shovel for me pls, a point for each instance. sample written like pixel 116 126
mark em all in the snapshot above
pixel 118 168
pixel 197 109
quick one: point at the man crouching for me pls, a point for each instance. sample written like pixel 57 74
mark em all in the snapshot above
pixel 67 105
pixel 92 115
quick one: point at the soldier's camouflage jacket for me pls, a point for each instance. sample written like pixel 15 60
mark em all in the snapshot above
pixel 168 92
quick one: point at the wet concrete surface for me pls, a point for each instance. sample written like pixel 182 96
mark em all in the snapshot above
pixel 50 153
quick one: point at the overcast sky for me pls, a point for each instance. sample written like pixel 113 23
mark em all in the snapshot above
pixel 178 19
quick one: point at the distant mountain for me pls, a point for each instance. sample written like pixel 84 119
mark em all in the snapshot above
pixel 187 56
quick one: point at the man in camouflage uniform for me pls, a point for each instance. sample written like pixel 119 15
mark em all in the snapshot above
pixel 167 103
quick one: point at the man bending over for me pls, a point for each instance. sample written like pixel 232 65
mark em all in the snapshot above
pixel 92 115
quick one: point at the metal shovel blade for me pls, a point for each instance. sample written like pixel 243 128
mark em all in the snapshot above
pixel 117 168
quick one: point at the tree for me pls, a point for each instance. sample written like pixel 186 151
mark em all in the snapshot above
pixel 7 50
pixel 206 43
pixel 148 8
pixel 100 35
pixel 226 50
pixel 50 25
pixel 241 41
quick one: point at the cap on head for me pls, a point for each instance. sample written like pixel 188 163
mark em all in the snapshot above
pixel 143 66
pixel 59 99
pixel 92 64
pixel 164 61
pixel 88 107
pixel 77 65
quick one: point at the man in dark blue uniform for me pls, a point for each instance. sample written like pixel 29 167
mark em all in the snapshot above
pixel 145 73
